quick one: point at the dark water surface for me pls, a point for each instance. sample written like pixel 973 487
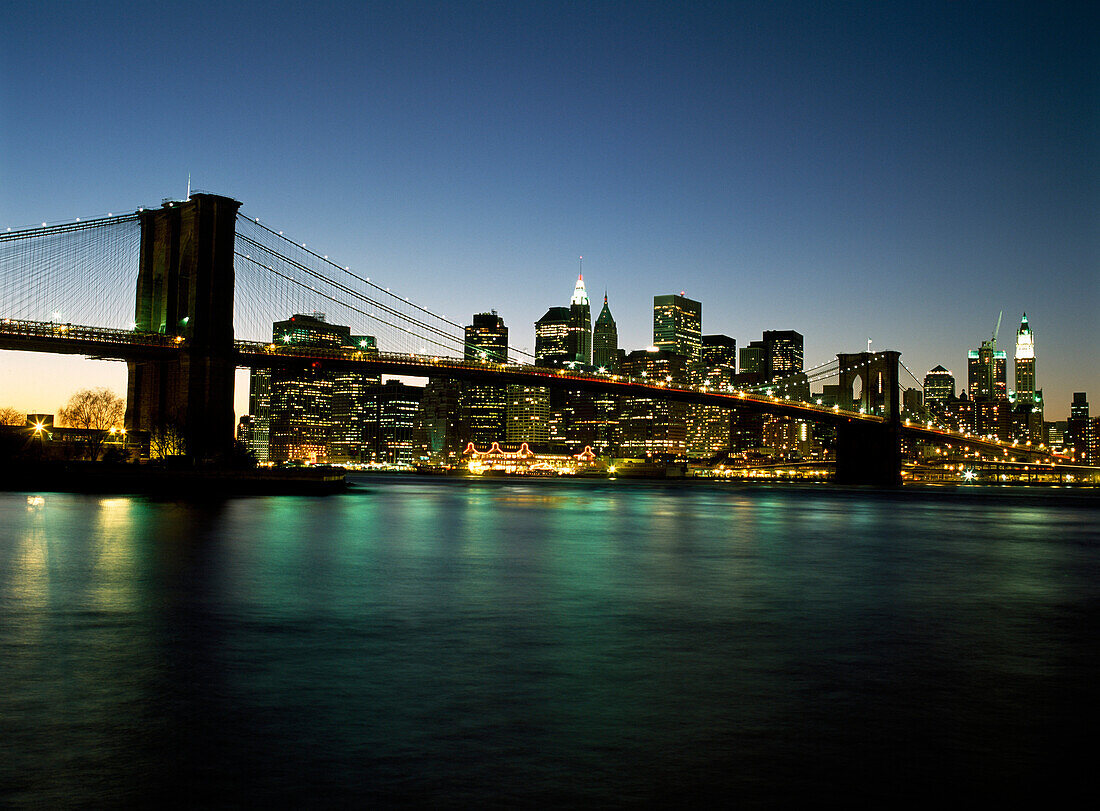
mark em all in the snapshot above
pixel 508 643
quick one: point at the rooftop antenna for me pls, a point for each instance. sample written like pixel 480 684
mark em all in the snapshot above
pixel 997 329
pixel 580 267
pixel 188 186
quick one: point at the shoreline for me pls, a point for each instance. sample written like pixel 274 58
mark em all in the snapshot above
pixel 129 479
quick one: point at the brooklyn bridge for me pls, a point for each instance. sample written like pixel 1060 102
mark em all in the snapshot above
pixel 185 294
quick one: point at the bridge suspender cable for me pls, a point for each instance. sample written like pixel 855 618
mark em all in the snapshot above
pixel 361 279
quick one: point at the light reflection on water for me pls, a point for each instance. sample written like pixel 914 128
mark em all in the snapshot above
pixel 457 642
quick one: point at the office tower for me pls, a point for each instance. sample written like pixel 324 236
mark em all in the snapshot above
pixel 986 373
pixel 527 415
pixel 751 364
pixel 782 354
pixel 605 340
pixel 483 404
pixel 580 325
pixel 708 427
pixel 1079 428
pixel 939 387
pixel 259 406
pixel 439 434
pixel 678 326
pixel 1025 363
pixel 652 427
pixel 301 399
pixel 393 439
pixel 552 338
pixel 719 360
pixel 353 406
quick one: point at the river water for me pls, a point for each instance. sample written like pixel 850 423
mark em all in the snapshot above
pixel 459 642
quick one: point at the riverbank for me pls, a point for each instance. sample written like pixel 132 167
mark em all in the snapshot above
pixel 129 479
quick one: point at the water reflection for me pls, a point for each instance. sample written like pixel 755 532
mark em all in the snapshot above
pixel 513 643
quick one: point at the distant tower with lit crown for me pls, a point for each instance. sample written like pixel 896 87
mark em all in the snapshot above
pixel 580 324
pixel 605 339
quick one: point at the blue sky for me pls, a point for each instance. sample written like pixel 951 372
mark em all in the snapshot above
pixel 847 170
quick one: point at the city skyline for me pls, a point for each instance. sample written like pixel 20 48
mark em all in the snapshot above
pixel 848 172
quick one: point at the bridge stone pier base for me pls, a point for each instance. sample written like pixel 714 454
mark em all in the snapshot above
pixel 185 288
pixel 866 452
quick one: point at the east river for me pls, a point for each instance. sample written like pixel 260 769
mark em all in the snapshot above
pixel 513 643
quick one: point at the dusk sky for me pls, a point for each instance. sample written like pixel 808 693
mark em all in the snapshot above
pixel 899 172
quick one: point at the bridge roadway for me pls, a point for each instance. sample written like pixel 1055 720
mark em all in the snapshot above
pixel 114 344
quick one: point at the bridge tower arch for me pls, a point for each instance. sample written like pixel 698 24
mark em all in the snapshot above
pixel 185 288
pixel 870 453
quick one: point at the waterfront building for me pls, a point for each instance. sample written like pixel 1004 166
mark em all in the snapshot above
pixel 484 405
pixel 353 406
pixel 439 428
pixel 605 340
pixel 652 427
pixel 302 425
pixel 678 326
pixel 259 407
pixel 396 409
pixel 527 415
pixel 708 427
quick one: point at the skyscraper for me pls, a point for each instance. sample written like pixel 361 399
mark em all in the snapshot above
pixel 605 340
pixel 1025 363
pixel 678 326
pixel 1079 428
pixel 484 405
pixel 986 373
pixel 301 399
pixel 782 353
pixel 939 387
pixel 580 324
pixel 552 338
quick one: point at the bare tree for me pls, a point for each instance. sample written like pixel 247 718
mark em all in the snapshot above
pixel 165 441
pixel 97 409
pixel 12 416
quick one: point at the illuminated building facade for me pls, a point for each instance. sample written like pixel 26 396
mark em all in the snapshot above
pixel 1027 409
pixel 678 326
pixel 484 405
pixel 353 406
pixel 552 338
pixel 1025 363
pixel 985 368
pixel 649 427
pixel 392 438
pixel 259 407
pixel 783 354
pixel 708 427
pixel 1079 428
pixel 527 415
pixel 605 340
pixel 580 325
pixel 939 387
pixel 302 422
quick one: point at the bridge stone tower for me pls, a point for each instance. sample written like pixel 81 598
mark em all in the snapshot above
pixel 185 288
pixel 870 453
